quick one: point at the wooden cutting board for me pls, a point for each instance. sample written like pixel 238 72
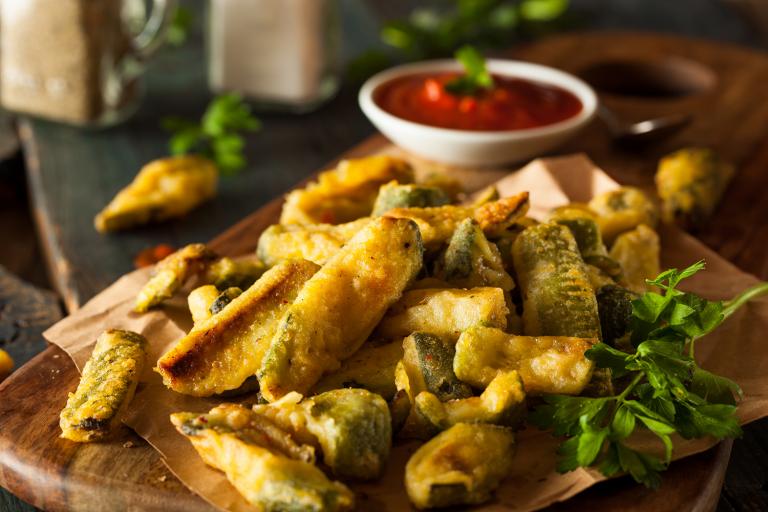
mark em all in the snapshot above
pixel 639 76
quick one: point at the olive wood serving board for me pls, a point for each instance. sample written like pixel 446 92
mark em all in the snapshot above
pixel 639 76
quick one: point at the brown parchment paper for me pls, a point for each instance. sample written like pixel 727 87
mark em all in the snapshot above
pixel 737 350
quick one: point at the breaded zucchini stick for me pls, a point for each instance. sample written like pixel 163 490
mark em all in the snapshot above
pixel 200 300
pixel 345 193
pixel 320 242
pixel 547 364
pixel 460 466
pixel 502 403
pixel 443 312
pixel 437 224
pixel 340 305
pixel 263 463
pixel 220 353
pixel 316 243
pixel 352 427
pixel 372 368
pixel 241 273
pixel 637 252
pixel 690 183
pixel 163 189
pixel 395 195
pixel 106 387
pixel 558 298
pixel 171 273
pixel 621 210
pixel 470 260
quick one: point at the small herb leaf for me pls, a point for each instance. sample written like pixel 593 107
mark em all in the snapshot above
pixel 476 77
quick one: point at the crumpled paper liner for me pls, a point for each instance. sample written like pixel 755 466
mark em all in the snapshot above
pixel 736 350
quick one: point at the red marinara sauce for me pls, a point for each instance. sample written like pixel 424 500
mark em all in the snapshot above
pixel 512 103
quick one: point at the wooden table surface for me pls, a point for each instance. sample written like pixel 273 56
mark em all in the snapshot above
pixel 73 173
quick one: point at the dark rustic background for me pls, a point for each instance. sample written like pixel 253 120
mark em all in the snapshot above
pixel 54 179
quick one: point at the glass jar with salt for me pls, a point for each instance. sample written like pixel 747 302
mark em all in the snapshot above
pixel 282 54
pixel 77 61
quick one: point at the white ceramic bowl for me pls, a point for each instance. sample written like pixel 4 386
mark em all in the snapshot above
pixel 478 148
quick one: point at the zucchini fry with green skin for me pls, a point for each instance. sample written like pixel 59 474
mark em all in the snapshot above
pixel 372 368
pixel 316 243
pixel 352 427
pixel 270 470
pixel 437 224
pixel 428 363
pixel 460 466
pixel 614 303
pixel 470 260
pixel 163 189
pixel 444 312
pixel 486 195
pixel 223 299
pixel 637 252
pixel 106 387
pixel 586 232
pixel 220 353
pixel 171 273
pixel 501 403
pixel 320 242
pixel 427 366
pixel 558 298
pixel 547 364
pixel 340 305
pixel 200 300
pixel 690 183
pixel 621 210
pixel 241 273
pixel 345 193
pixel 395 195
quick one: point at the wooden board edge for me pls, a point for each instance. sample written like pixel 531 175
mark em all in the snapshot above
pixel 59 271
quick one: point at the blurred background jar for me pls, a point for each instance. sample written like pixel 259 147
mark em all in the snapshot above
pixel 77 61
pixel 282 54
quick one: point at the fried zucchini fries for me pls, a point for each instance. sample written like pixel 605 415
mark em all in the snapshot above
pixel 171 273
pixel 222 351
pixel 107 385
pixel 264 464
pixel 340 305
pixel 163 189
pixel 345 193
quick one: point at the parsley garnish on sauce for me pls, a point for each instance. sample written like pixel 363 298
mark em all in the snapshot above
pixel 664 390
pixel 475 78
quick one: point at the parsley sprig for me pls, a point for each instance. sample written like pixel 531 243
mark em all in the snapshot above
pixel 218 135
pixel 664 391
pixel 475 78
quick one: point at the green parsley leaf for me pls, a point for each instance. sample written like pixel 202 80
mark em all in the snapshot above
pixel 643 468
pixel 590 442
pixel 543 10
pixel 476 77
pixel 714 388
pixel 180 26
pixel 605 356
pixel 563 413
pixel 610 464
pixel 218 136
pixel 568 452
pixel 623 423
pixel 662 389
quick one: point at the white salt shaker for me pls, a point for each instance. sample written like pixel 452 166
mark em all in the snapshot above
pixel 280 53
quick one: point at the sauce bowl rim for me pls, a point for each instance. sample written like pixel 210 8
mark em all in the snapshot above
pixel 505 67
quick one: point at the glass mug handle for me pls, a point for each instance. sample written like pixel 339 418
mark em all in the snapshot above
pixel 152 36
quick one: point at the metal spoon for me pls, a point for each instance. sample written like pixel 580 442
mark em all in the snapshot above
pixel 641 132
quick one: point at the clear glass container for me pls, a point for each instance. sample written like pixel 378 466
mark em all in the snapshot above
pixel 281 54
pixel 77 61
